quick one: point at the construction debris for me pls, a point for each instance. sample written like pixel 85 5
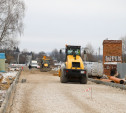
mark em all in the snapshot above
pixel 56 71
pixel 23 80
pixel 7 80
pixel 1 78
pixel 13 69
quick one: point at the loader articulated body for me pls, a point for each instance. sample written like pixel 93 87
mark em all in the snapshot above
pixel 73 66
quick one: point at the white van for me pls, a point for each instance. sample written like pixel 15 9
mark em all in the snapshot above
pixel 34 64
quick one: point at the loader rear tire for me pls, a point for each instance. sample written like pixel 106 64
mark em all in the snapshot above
pixel 83 80
pixel 63 78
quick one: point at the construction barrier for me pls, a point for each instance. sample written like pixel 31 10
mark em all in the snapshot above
pixel 121 86
pixel 11 89
pixel 88 90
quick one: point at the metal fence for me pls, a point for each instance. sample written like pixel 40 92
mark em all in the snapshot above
pixel 121 68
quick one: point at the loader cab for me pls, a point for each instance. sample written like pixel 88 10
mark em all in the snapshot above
pixel 72 50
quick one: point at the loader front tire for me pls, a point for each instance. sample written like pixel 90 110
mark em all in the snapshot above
pixel 83 80
pixel 63 78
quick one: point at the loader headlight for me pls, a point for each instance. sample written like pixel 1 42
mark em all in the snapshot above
pixel 83 72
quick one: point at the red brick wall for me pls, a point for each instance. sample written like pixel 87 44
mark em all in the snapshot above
pixel 112 52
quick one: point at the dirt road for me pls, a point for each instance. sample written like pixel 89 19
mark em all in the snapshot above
pixel 43 93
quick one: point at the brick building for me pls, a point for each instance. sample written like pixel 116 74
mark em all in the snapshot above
pixel 112 54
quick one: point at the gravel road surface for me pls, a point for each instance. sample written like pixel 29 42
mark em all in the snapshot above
pixel 43 93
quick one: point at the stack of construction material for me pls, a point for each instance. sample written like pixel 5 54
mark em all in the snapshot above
pixel 116 80
pixel 94 69
pixel 113 79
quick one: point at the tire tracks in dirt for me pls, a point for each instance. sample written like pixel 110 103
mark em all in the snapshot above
pixel 26 107
pixel 85 108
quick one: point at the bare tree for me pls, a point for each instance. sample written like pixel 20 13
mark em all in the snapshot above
pixel 89 50
pixel 41 54
pixel 11 20
pixel 55 54
pixel 9 43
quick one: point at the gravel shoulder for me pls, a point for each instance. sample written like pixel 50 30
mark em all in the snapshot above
pixel 43 93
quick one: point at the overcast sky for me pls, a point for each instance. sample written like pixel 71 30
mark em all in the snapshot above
pixel 50 24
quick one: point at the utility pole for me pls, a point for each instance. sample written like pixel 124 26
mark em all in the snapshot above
pixel 18 57
pixel 99 53
pixel 85 56
pixel 96 56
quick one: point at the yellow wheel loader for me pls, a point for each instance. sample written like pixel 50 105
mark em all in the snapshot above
pixel 73 66
pixel 45 64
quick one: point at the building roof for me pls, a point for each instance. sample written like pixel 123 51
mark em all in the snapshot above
pixel 112 41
